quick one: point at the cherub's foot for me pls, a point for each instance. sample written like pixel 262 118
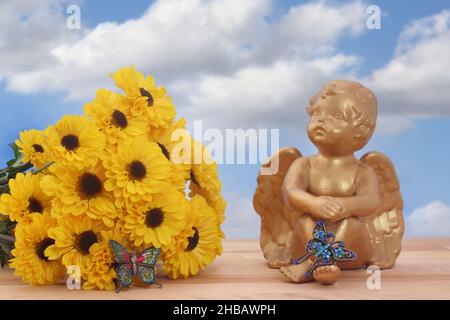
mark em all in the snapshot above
pixel 277 264
pixel 277 256
pixel 297 272
pixel 327 274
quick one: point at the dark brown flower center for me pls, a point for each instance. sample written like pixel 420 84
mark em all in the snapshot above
pixel 89 185
pixel 85 240
pixel 137 170
pixel 40 248
pixel 193 241
pixel 154 217
pixel 193 179
pixel 145 93
pixel 164 151
pixel 34 205
pixel 70 142
pixel 119 119
pixel 38 148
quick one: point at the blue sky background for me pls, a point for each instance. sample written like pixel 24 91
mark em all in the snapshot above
pixel 420 149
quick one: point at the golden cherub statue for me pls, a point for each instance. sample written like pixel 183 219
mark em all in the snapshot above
pixel 358 199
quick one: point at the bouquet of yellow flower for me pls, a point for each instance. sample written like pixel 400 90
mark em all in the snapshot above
pixel 126 170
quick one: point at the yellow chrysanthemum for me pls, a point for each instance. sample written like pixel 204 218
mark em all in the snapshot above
pixel 137 171
pixel 111 114
pixel 159 222
pixel 174 143
pixel 76 142
pixel 205 179
pixel 75 237
pixel 33 146
pixel 25 197
pixel 145 98
pixel 78 192
pixel 29 260
pixel 196 247
pixel 99 272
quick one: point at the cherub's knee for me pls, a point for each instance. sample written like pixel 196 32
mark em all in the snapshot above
pixel 302 232
pixel 351 230
pixel 354 235
pixel 351 224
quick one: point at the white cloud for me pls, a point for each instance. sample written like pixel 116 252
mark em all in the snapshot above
pixel 241 222
pixel 260 95
pixel 225 62
pixel 433 220
pixel 29 30
pixel 208 53
pixel 393 123
pixel 174 39
pixel 416 81
pixel 321 23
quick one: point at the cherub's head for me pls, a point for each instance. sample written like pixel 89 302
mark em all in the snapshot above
pixel 343 117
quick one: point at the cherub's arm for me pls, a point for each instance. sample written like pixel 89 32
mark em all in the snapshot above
pixel 367 198
pixel 295 184
pixel 296 196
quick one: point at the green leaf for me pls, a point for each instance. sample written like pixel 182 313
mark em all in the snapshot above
pixel 6 245
pixel 21 167
pixel 4 227
pixel 4 189
pixel 3 260
pixel 5 253
pixel 17 161
pixel 11 162
pixel 15 149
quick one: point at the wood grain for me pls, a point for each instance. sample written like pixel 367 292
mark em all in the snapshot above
pixel 422 272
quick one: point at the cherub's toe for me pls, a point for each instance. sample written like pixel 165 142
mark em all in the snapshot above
pixel 285 271
pixel 276 264
pixel 296 273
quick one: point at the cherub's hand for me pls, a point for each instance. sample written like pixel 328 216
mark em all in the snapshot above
pixel 326 208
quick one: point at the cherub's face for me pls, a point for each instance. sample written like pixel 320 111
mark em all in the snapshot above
pixel 331 124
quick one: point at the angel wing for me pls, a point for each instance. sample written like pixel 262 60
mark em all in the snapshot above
pixel 386 225
pixel 276 218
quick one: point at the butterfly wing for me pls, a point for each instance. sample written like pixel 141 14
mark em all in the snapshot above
pixel 146 274
pixel 340 253
pixel 320 232
pixel 311 246
pixel 149 257
pixel 146 263
pixel 125 275
pixel 121 255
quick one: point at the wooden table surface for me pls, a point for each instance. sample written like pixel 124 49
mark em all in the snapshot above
pixel 422 272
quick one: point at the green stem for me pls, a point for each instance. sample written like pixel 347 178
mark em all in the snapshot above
pixel 45 166
pixel 23 167
pixel 4 180
pixel 7 238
